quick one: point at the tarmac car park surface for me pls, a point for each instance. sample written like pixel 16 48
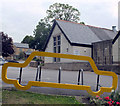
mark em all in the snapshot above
pixel 69 77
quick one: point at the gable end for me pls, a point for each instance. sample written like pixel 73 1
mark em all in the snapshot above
pixel 49 35
pixel 71 43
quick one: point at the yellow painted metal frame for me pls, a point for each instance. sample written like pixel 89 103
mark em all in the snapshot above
pixel 59 85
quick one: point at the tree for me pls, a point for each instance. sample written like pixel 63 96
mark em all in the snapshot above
pixel 62 12
pixel 82 23
pixel 7 45
pixel 41 34
pixel 29 40
pixel 22 55
pixel 55 11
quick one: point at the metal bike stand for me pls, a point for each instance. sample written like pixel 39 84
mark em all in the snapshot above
pixel 20 75
pixel 38 72
pixel 59 75
pixel 80 71
pixel 98 85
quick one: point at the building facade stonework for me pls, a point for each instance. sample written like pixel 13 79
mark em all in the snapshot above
pixel 102 52
pixel 101 44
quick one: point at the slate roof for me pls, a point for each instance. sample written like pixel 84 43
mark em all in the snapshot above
pixel 21 45
pixel 84 34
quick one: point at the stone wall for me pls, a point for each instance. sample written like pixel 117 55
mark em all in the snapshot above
pixel 75 66
pixel 113 68
pixel 102 52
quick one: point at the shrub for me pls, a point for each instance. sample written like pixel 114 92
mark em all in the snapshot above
pixel 112 100
pixel 39 61
pixel 21 55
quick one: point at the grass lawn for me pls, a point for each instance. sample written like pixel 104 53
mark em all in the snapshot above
pixel 23 97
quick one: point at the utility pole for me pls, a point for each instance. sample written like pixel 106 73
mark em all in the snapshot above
pixel 119 39
pixel 0 69
pixel 0 45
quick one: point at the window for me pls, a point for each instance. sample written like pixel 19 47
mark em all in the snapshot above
pixel 59 42
pixel 54 39
pixel 56 47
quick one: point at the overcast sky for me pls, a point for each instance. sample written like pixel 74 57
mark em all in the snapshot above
pixel 20 17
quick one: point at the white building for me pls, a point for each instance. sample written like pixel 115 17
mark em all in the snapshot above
pixel 74 38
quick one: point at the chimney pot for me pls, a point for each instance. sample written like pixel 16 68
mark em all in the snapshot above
pixel 114 28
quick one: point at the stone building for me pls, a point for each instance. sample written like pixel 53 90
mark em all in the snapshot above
pixel 21 47
pixel 101 44
pixel 102 52
pixel 73 38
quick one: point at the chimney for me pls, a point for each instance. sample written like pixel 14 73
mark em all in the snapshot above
pixel 114 29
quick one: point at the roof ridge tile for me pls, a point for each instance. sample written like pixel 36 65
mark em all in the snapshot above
pixel 85 25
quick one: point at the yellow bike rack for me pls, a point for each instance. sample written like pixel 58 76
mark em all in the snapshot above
pixel 59 85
